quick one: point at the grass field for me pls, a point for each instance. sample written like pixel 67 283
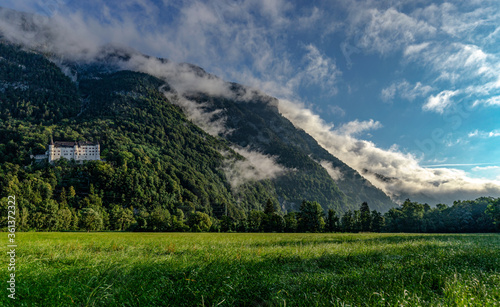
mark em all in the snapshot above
pixel 207 269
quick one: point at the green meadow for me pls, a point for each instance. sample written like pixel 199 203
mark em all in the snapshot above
pixel 247 269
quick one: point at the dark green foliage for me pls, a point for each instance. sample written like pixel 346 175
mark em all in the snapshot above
pixel 155 157
pixel 270 207
pixel 274 222
pixel 493 210
pixel 159 219
pixel 121 218
pixel 199 221
pixel 311 217
pixel 34 89
pixel 365 219
pixel 347 222
pixel 463 216
pixel 90 219
pixel 377 221
pixel 255 221
pixel 332 222
pixel 228 224
pixel 291 222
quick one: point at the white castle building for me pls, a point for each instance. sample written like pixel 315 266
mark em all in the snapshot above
pixel 78 151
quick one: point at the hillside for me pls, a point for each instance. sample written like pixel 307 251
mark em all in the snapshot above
pixel 156 157
pixel 257 124
pixel 250 121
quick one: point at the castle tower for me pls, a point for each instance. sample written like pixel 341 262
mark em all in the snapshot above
pixel 51 149
pixel 75 151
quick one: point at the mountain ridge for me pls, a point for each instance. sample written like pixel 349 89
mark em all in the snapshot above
pixel 256 106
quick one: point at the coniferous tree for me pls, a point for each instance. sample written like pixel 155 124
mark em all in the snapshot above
pixel 269 208
pixel 311 217
pixel 347 222
pixel 377 221
pixel 393 220
pixel 291 223
pixel 332 221
pixel 274 223
pixel 364 217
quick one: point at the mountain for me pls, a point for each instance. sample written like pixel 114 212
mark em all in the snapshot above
pixel 157 155
pixel 257 124
pixel 251 120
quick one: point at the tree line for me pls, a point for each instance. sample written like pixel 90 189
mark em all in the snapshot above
pixel 70 212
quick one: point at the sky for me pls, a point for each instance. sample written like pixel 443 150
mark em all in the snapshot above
pixel 408 91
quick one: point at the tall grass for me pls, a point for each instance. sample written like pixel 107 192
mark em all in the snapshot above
pixel 207 269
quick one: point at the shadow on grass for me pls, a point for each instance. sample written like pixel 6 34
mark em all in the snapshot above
pixel 371 238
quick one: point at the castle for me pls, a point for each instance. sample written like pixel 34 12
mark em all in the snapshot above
pixel 78 151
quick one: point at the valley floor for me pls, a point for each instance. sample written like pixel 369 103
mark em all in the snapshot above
pixel 241 269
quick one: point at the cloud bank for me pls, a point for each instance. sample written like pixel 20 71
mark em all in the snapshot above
pixel 397 174
pixel 256 166
pixel 334 172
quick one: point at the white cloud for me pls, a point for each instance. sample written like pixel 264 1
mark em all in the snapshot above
pixel 336 110
pixel 399 175
pixel 463 22
pixel 461 54
pixel 255 166
pixel 474 133
pixel 439 102
pixel 457 61
pixel 405 90
pixel 459 64
pixel 387 31
pixel 310 21
pixel 185 78
pixel 485 168
pixel 334 172
pixel 387 94
pixel 212 122
pixel 416 48
pixel 491 101
pixel 484 134
pixel 319 70
pixel 357 127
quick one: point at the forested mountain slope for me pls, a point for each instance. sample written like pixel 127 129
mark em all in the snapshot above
pixel 256 123
pixel 157 159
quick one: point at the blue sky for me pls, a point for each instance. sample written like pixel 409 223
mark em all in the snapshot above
pixel 416 82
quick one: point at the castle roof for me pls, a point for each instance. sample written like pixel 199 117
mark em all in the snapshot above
pixel 72 144
pixel 64 144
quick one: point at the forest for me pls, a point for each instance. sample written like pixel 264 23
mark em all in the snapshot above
pixel 47 200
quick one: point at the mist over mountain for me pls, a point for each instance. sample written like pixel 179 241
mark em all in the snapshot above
pixel 72 37
pixel 271 147
pixel 252 121
pixel 235 112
